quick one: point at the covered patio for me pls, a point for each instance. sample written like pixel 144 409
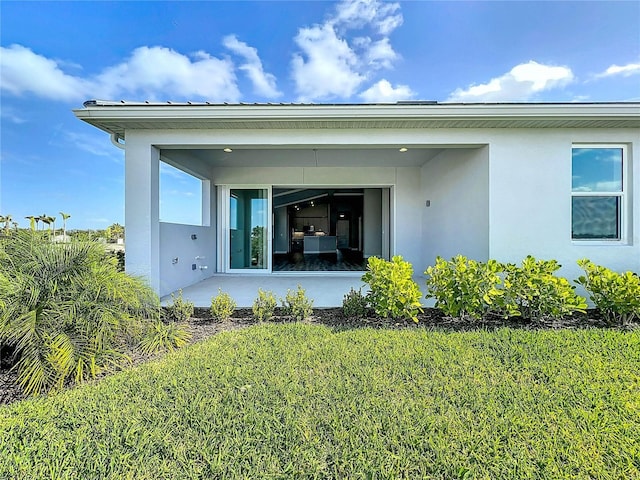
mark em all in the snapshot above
pixel 325 290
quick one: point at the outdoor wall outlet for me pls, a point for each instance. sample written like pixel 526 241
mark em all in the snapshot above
pixel 193 266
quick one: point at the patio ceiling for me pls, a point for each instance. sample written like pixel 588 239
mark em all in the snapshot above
pixel 302 157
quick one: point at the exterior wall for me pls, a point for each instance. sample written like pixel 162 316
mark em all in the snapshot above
pixel 177 245
pixel 142 220
pixel 530 199
pixel 152 245
pixel 456 184
pixel 494 193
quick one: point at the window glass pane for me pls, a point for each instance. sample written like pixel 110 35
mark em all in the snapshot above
pixel 248 221
pixel 595 218
pixel 596 170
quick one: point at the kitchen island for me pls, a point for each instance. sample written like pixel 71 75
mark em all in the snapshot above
pixel 320 244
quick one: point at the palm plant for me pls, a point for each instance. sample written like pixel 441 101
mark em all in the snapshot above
pixel 67 310
pixel 51 221
pixel 6 219
pixel 45 219
pixel 41 218
pixel 115 232
pixel 65 217
pixel 32 222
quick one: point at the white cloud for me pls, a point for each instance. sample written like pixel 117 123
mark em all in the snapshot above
pixel 330 67
pixel 11 115
pixel 330 64
pixel 263 83
pixel 622 70
pixel 24 72
pixel 381 16
pixel 153 71
pixel 380 54
pixel 384 92
pixel 518 85
pixel 149 73
pixel 95 145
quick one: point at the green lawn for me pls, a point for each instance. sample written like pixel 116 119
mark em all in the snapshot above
pixel 304 401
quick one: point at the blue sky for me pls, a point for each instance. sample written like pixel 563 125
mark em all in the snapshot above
pixel 56 55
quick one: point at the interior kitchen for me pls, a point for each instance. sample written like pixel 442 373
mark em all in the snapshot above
pixel 318 229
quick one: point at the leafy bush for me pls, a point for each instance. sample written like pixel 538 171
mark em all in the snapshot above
pixel 264 305
pixel 464 287
pixel 222 306
pixel 534 292
pixel 355 304
pixel 616 295
pixel 66 309
pixel 179 310
pixel 392 291
pixel 160 336
pixel 297 305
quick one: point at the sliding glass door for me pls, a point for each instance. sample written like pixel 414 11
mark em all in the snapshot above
pixel 249 240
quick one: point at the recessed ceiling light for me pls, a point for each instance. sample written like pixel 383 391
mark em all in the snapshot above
pixel 403 149
pixel 227 150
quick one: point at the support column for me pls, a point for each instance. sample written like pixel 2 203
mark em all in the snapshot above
pixel 142 205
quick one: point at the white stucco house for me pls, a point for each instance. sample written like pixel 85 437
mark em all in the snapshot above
pixel 316 189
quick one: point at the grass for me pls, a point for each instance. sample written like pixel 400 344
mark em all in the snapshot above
pixel 302 401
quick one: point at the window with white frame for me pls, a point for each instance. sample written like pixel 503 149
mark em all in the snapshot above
pixel 597 192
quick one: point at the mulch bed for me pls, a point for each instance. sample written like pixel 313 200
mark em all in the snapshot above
pixel 203 326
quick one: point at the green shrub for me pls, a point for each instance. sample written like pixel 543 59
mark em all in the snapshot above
pixel 534 292
pixel 179 310
pixel 67 310
pixel 160 336
pixel 392 291
pixel 119 256
pixel 297 305
pixel 615 295
pixel 222 306
pixel 463 287
pixel 355 304
pixel 264 305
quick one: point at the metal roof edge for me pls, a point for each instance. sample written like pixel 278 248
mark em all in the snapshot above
pixel 404 103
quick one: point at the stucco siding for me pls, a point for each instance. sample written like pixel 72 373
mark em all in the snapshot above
pixel 530 199
pixel 493 193
pixel 142 209
pixel 179 252
pixel 456 185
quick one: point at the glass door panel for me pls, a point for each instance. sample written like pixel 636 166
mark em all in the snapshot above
pixel 248 229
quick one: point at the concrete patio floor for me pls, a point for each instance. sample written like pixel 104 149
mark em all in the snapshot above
pixel 326 290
